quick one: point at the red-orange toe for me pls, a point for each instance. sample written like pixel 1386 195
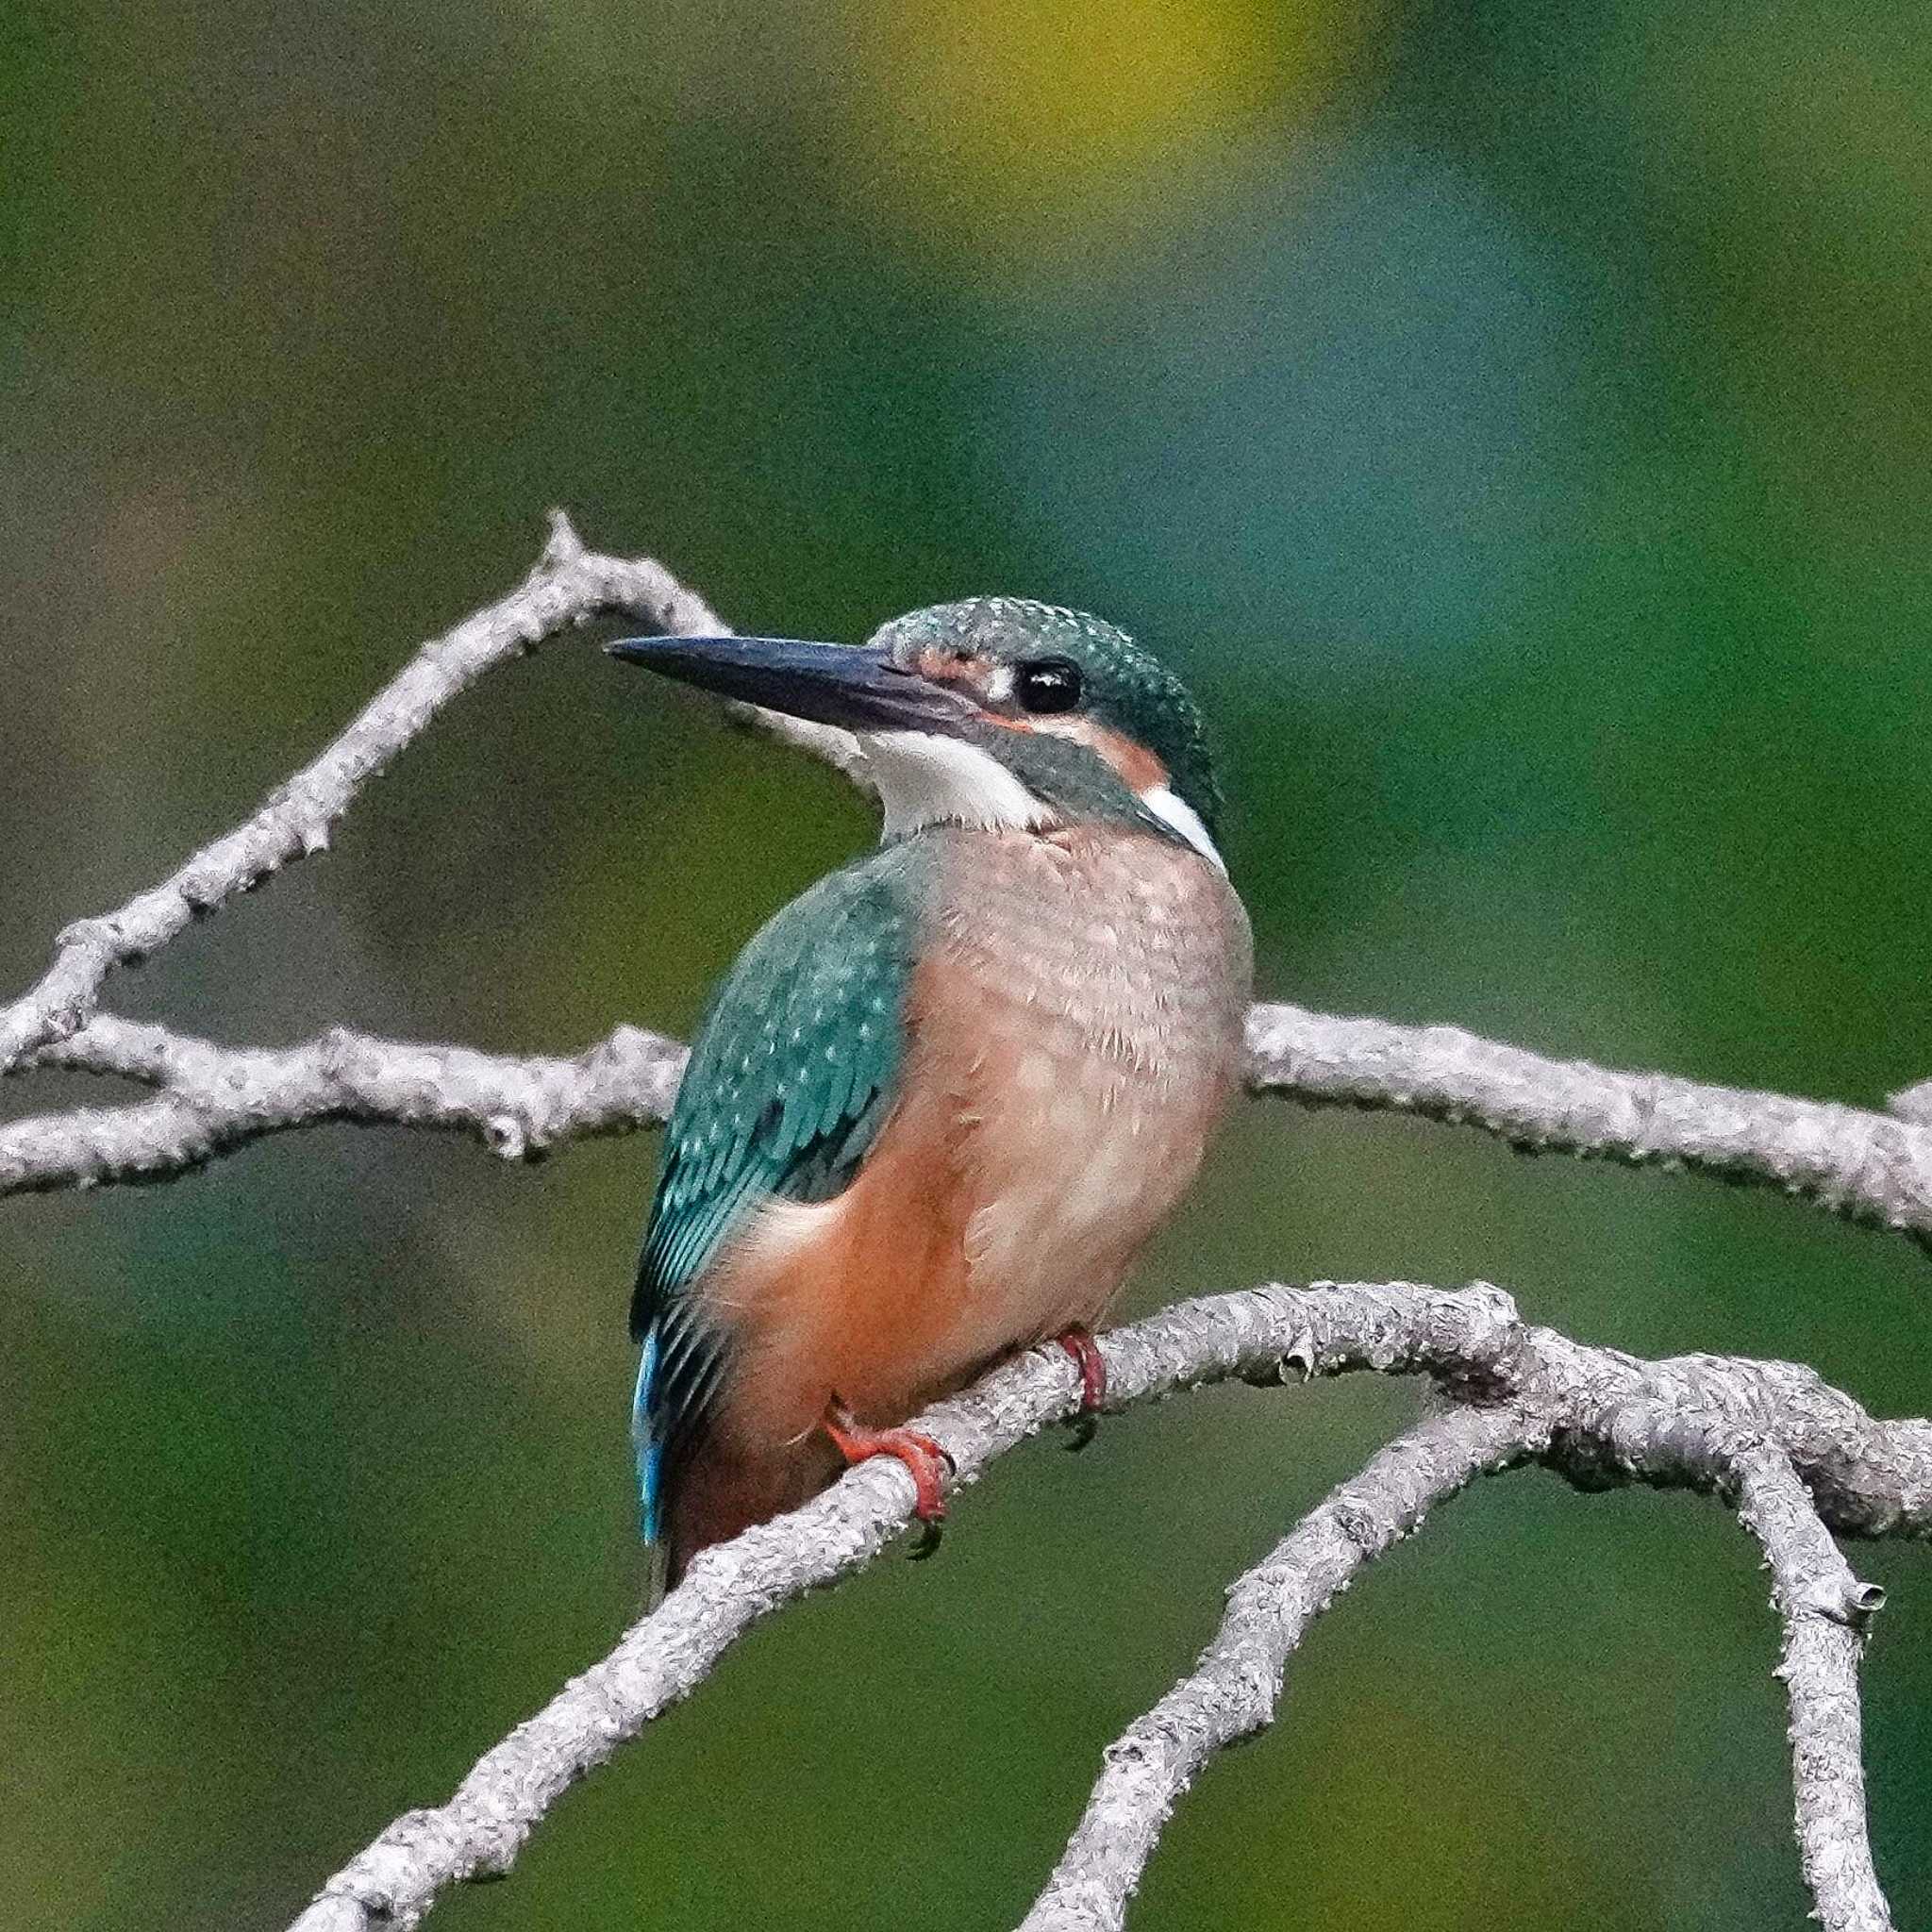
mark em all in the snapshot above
pixel 1078 1342
pixel 924 1460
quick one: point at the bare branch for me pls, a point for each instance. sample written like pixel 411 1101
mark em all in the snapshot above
pixel 1762 1433
pixel 1597 1416
pixel 569 586
pixel 1232 1692
pixel 1864 1166
pixel 214 1099
pixel 664 1657
pixel 1826 1611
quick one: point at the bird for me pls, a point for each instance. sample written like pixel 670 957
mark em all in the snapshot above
pixel 944 1098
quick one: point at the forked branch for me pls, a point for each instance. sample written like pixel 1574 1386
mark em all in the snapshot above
pixel 1869 1166
pixel 1797 1458
pixel 1597 1416
pixel 569 587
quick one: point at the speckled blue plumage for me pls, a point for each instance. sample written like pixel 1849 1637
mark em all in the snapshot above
pixel 790 1076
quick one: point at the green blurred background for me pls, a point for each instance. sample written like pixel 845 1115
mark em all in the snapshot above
pixel 1514 420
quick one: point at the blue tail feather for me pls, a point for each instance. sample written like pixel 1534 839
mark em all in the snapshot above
pixel 645 1442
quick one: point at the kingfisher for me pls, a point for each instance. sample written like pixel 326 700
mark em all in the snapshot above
pixel 944 1098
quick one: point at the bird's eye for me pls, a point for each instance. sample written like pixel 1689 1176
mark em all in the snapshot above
pixel 1047 684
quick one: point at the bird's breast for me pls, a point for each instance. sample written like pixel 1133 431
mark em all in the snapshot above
pixel 1079 1014
pixel 1074 1026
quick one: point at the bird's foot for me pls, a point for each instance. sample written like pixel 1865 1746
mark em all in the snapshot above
pixel 1078 1342
pixel 924 1460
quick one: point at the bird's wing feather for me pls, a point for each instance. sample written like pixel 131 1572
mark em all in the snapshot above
pixel 792 1073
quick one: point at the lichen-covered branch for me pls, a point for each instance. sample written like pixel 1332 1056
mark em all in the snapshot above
pixel 1824 1610
pixel 1867 1166
pixel 1232 1692
pixel 569 586
pixel 1597 1416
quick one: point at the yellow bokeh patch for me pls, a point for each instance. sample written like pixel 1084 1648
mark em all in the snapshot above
pixel 1053 135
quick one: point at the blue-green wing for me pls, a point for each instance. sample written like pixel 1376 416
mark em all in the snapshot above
pixel 792 1074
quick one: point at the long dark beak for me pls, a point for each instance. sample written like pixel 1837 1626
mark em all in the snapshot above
pixel 857 687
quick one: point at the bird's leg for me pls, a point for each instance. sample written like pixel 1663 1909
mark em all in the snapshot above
pixel 1078 1342
pixel 924 1459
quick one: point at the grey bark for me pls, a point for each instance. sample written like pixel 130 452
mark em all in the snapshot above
pixel 569 586
pixel 1826 1611
pixel 1595 1416
pixel 1864 1166
pixel 1849 1160
pixel 1233 1690
pixel 1798 1459
pixel 214 1099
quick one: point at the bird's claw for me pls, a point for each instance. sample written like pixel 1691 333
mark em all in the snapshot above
pixel 1078 1342
pixel 926 1463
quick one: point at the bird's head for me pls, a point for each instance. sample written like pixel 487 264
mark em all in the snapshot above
pixel 995 712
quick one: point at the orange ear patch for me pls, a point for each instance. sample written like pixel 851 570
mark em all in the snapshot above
pixel 1139 768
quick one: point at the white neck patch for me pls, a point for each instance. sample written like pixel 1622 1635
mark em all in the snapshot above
pixel 1173 809
pixel 925 779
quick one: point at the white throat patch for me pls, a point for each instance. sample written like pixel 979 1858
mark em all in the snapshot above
pixel 925 779
pixel 1173 809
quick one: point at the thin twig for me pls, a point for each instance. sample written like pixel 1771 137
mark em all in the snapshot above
pixel 1597 1416
pixel 1826 1611
pixel 569 586
pixel 1233 1690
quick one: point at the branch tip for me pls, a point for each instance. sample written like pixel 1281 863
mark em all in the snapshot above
pixel 1598 1416
pixel 1757 1433
pixel 563 545
pixel 1913 1103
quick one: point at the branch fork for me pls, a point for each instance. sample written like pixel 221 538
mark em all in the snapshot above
pixel 1513 1394
pixel 1798 1461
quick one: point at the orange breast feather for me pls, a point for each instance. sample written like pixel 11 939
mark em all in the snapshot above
pixel 1074 1030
